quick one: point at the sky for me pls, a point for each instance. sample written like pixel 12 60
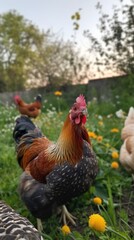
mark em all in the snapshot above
pixel 56 15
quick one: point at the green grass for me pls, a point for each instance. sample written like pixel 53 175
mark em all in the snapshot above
pixel 109 185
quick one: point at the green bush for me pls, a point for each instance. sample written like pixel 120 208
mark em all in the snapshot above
pixel 123 94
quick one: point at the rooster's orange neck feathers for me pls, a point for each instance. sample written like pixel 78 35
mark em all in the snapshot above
pixel 69 146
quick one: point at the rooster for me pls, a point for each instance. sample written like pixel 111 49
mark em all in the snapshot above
pixel 127 148
pixel 29 109
pixel 14 226
pixel 54 173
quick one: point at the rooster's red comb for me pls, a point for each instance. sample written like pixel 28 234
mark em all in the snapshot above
pixel 81 100
pixel 16 97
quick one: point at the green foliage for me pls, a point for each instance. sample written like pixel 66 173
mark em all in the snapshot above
pixel 76 17
pixel 63 102
pixel 122 94
pixel 103 108
pixel 19 41
pixel 115 50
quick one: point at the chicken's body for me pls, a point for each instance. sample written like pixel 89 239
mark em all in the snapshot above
pixel 14 226
pixel 29 109
pixel 54 172
pixel 62 184
pixel 127 148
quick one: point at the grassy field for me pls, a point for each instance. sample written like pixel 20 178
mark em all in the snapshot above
pixel 113 184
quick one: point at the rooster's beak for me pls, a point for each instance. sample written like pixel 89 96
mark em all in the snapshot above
pixel 84 111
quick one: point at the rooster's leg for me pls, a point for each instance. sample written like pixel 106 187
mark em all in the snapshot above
pixel 39 225
pixel 66 215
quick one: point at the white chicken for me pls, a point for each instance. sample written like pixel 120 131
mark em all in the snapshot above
pixel 127 148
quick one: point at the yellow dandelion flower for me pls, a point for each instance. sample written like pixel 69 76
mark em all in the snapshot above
pixel 99 138
pixel 115 155
pixel 115 165
pixel 114 130
pixel 65 230
pixel 60 113
pixel 92 135
pixel 57 93
pixel 97 222
pixel 97 200
pixel 100 123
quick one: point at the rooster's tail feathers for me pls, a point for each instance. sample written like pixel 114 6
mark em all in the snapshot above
pixel 36 196
pixel 24 126
pixel 38 98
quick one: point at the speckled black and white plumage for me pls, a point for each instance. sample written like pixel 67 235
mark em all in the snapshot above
pixel 63 183
pixel 15 227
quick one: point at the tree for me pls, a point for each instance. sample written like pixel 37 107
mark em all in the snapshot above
pixel 19 43
pixel 60 63
pixel 116 47
pixel 54 63
pixel 29 57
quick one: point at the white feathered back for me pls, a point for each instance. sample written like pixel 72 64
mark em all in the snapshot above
pixel 127 148
pixel 128 129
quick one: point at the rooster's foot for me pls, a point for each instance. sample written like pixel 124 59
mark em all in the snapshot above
pixel 67 215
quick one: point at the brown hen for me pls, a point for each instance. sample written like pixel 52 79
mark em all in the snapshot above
pixel 29 109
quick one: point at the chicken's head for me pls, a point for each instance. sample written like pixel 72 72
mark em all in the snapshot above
pixel 17 99
pixel 78 111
